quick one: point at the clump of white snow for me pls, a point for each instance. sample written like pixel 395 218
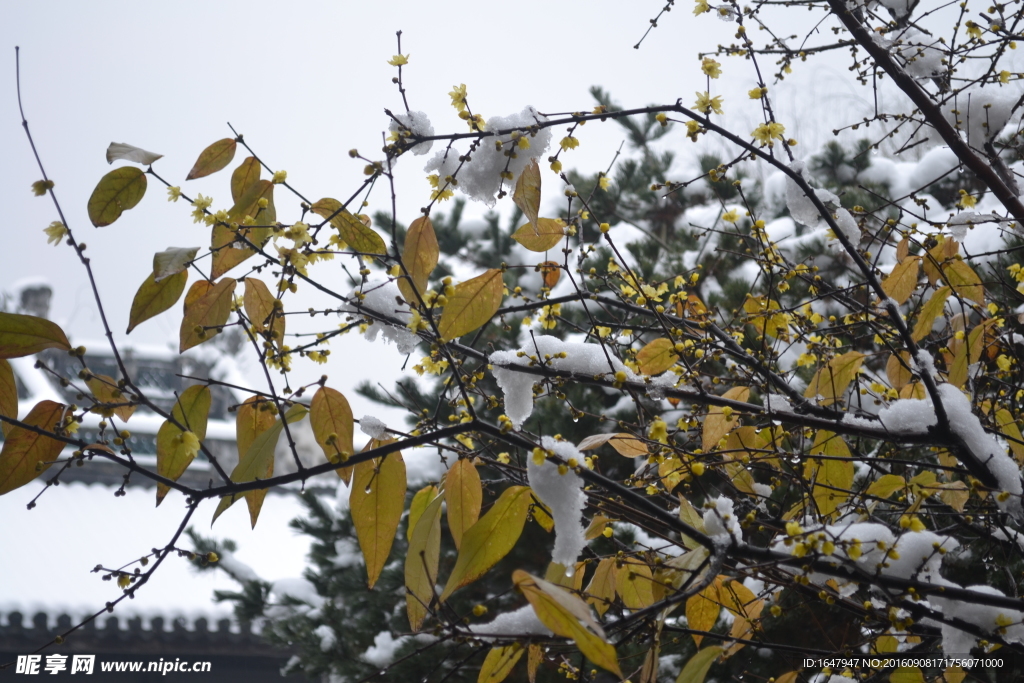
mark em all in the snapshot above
pixel 372 427
pixel 585 359
pixel 982 112
pixel 563 494
pixel 383 650
pixel 959 223
pixel 720 522
pixel 802 208
pixel 328 638
pixel 382 298
pixel 921 55
pixel 480 177
pixel 417 123
pixel 986 617
pixel 521 622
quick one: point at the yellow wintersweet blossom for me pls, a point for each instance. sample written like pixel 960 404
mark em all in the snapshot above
pixel 201 204
pixel 757 93
pixel 1004 362
pixel 806 360
pixel 706 103
pixel 40 187
pixel 280 177
pixel 458 95
pixel 711 67
pixel 701 8
pixel 1004 76
pixel 658 431
pixel 399 60
pixel 766 131
pixel 603 182
pixel 556 166
pixel 55 233
pixel 173 193
pixel 569 142
pixel 973 30
pixel 731 216
pixel 442 191
pixel 966 200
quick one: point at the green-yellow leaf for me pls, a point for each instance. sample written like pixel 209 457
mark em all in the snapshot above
pixel 8 395
pixel 25 451
pixel 906 674
pixel 964 281
pixel 832 478
pixel 720 422
pixel 464 494
pixel 210 312
pixel 22 335
pixel 118 191
pixel 624 444
pixel 697 666
pixel 930 311
pixel 472 305
pixel 260 309
pixel 213 158
pixel 247 173
pixel 601 589
pixel 358 236
pixel 1004 421
pixel 420 500
pixel 224 240
pixel 106 391
pixel 569 617
pixel 377 501
pixel 657 356
pixel 545 234
pixel 331 419
pixel 831 381
pixel 886 485
pixel 255 416
pixel 258 463
pixel 633 583
pixel 527 194
pixel 174 449
pixel 957 375
pixel 155 297
pixel 419 256
pixel 500 660
pixel 702 610
pixel 902 281
pixel 421 560
pixel 490 539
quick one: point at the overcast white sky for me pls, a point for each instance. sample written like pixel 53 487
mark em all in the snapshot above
pixel 304 82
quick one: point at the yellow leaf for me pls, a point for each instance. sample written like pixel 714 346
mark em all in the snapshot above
pixel 689 515
pixel 542 515
pixel 421 561
pixel 742 628
pixel 540 237
pixel 569 617
pixel 330 416
pixel 174 451
pixel 419 256
pixel 551 272
pixel 886 644
pixel 117 191
pixel 22 335
pixel 737 598
pixel 832 478
pixel 558 575
pixel 930 311
pixel 8 396
pixel 359 237
pixel 155 297
pixel 25 451
pixel 1008 427
pixel 255 416
pixel 464 494
pixel 697 666
pixel 702 610
pixel 259 308
pixel 209 312
pixel 601 589
pixel 886 485
pixel 717 424
pixel 898 371
pixel 964 281
pixel 657 356
pixel 596 527
pixel 946 249
pixel 902 281
pixel 527 194
pixel 903 249
pixel 228 250
pixel 533 662
pixel 213 158
pixel 500 660
pixel 831 381
pixel 105 390
pixel 420 500
pixel 624 444
pixel 377 501
pixel 954 674
pixel 472 305
pixel 954 494
pixel 247 173
pixel 957 374
pixel 766 316
pixel 906 674
pixel 490 539
pixel 258 463
pixel 649 670
pixel 977 338
pixel 633 583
